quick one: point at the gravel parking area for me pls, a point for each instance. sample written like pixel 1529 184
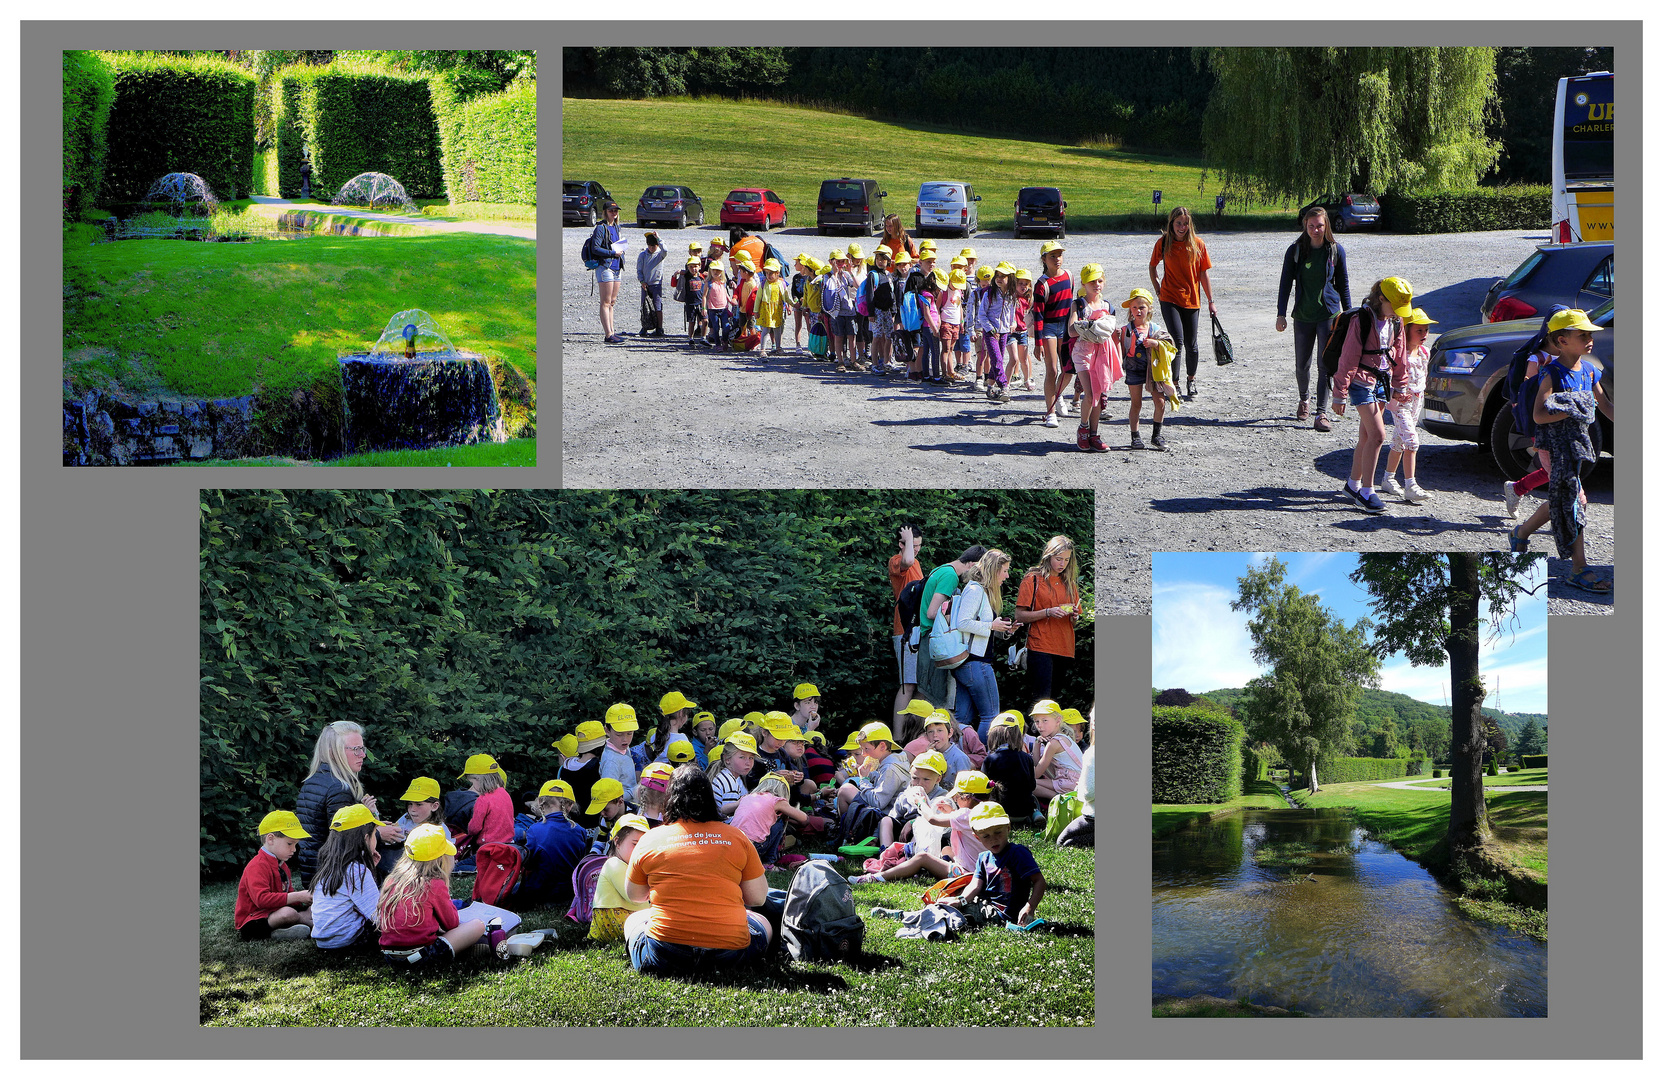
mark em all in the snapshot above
pixel 1240 474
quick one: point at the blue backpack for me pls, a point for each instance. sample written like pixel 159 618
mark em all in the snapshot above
pixel 911 317
pixel 1521 391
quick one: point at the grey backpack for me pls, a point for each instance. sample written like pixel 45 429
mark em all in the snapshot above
pixel 819 922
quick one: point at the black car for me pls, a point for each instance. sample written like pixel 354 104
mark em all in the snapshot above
pixel 1347 211
pixel 672 203
pixel 1042 210
pixel 850 204
pixel 581 202
pixel 1576 275
pixel 1466 386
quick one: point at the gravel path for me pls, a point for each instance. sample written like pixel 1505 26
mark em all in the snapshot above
pixel 1413 785
pixel 1239 474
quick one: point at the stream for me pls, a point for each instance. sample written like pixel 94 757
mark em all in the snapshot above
pixel 1298 908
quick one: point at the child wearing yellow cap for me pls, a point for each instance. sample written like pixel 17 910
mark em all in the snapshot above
pixel 612 903
pixel 772 298
pixel 923 788
pixel 1005 874
pixel 554 844
pixel 801 273
pixel 583 769
pixel 1010 766
pixel 1139 340
pixel 1406 411
pixel 1019 330
pixel 1096 355
pixel 346 886
pixel 688 283
pixel 763 813
pixel 492 819
pixel 420 925
pixel 1058 766
pixel 883 772
pixel 1372 368
pixel 266 897
pixel 879 294
pixel 951 332
pixel 929 330
pixel 617 758
pixel 969 791
pixel 718 307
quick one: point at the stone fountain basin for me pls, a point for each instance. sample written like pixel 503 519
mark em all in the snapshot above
pixel 396 404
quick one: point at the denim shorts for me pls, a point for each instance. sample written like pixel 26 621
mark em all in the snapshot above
pixel 1363 395
pixel 843 326
pixel 604 274
pixel 665 958
pixel 1054 330
pixel 1019 337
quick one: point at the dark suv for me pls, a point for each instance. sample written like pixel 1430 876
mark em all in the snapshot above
pixel 581 202
pixel 1042 210
pixel 1466 386
pixel 850 204
pixel 1576 275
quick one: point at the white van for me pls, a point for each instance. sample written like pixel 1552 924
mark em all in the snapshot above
pixel 948 205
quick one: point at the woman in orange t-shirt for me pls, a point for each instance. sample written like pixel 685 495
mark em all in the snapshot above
pixel 699 875
pixel 1186 263
pixel 1048 603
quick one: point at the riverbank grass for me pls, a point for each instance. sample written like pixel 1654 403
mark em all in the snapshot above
pixel 989 977
pixel 1165 818
pixel 515 452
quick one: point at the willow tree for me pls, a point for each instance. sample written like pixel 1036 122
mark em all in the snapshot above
pixel 1427 607
pixel 1289 123
pixel 1318 668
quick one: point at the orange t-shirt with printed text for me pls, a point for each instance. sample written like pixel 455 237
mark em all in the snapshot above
pixel 694 869
pixel 1052 636
pixel 899 578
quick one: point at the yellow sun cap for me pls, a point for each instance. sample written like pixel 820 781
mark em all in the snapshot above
pixel 621 717
pixel 1572 319
pixel 741 740
pixel 481 765
pixel 353 816
pixel 972 782
pixel 558 787
pixel 427 842
pixel 421 789
pixel 805 690
pixel 918 707
pixel 605 790
pixel 1398 293
pixel 933 761
pixel 987 816
pixel 629 821
pixel 282 821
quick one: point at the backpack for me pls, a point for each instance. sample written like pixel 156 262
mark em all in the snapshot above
pixel 458 807
pixel 948 647
pixel 1336 342
pixel 584 877
pixel 883 297
pixel 591 260
pixel 814 295
pixel 858 822
pixel 908 603
pixel 1521 390
pixel 819 922
pixel 497 872
pixel 769 251
pixel 1064 808
pixel 911 317
pixel 863 296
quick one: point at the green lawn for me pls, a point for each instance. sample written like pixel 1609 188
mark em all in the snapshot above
pixel 1169 817
pixel 171 318
pixel 1521 778
pixel 516 452
pixel 990 977
pixel 514 213
pixel 715 146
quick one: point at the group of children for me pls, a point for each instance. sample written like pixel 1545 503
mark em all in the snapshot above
pixel 777 783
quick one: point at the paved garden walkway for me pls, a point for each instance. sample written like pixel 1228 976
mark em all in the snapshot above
pixel 1410 785
pixel 496 228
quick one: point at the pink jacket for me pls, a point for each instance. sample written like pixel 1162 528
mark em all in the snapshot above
pixel 1351 355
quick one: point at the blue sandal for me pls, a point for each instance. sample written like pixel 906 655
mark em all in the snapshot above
pixel 1587 581
pixel 1517 544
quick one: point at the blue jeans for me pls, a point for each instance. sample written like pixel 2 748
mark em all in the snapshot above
pixel 930 351
pixel 721 326
pixel 978 699
pixel 653 957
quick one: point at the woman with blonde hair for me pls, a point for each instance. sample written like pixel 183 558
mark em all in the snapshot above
pixel 331 784
pixel 1048 604
pixel 976 616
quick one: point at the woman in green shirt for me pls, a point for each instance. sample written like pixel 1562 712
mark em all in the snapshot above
pixel 1314 270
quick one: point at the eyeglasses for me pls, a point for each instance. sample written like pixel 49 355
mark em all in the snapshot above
pixel 355 749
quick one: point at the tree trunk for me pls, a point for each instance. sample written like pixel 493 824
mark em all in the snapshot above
pixel 1468 820
pixel 1311 776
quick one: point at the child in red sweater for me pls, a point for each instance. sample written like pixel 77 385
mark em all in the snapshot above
pixel 265 901
pixel 419 921
pixel 492 821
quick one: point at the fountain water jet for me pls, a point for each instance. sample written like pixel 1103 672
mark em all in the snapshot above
pixel 414 389
pixel 187 192
pixel 376 191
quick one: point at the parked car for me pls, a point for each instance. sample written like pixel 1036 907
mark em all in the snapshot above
pixel 1348 211
pixel 850 204
pixel 581 201
pixel 1576 275
pixel 948 205
pixel 673 204
pixel 1466 386
pixel 1040 209
pixel 758 207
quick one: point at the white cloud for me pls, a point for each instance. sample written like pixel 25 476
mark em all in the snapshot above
pixel 1198 642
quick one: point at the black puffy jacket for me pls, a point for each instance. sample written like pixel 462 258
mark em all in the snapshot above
pixel 319 799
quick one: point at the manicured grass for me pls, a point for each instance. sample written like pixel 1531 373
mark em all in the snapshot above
pixel 440 210
pixel 989 977
pixel 1521 778
pixel 716 146
pixel 1169 817
pixel 517 452
pixel 166 317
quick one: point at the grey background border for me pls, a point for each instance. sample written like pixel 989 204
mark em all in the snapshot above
pixel 109 599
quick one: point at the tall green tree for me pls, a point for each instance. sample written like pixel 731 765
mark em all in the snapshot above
pixel 1319 667
pixel 1530 740
pixel 1288 123
pixel 1427 607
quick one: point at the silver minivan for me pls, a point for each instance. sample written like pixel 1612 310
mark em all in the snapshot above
pixel 948 205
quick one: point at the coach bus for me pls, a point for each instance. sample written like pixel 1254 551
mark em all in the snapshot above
pixel 1583 199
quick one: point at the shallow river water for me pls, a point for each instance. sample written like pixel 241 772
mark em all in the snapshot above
pixel 1297 908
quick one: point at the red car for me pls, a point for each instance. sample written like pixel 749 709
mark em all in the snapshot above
pixel 753 206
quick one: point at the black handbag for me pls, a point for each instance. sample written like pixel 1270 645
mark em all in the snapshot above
pixel 1221 345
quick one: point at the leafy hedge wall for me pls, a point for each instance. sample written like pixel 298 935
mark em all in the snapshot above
pixel 1253 765
pixel 178 114
pixel 88 93
pixel 1533 761
pixel 1197 755
pixel 451 622
pixel 1345 770
pixel 1468 211
pixel 493 154
pixel 354 121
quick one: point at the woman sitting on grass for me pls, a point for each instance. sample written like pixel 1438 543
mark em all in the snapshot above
pixel 698 875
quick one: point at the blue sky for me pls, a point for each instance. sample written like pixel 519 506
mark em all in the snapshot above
pixel 1200 644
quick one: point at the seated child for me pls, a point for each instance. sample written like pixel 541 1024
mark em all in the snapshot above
pixel 1009 765
pixel 606 800
pixel 492 821
pixel 883 774
pixel 553 847
pixel 650 790
pixel 1005 874
pixel 970 790
pixel 728 773
pixel 942 733
pixel 612 902
pixel 925 789
pixel 264 900
pixel 762 815
pixel 423 804
pixel 420 924
pixel 346 886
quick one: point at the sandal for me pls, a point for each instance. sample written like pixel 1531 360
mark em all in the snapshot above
pixel 1517 544
pixel 1588 582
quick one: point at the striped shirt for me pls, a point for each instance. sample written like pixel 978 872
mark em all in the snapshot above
pixel 1052 298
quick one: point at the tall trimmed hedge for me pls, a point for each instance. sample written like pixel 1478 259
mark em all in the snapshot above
pixel 88 94
pixel 492 153
pixel 1253 765
pixel 1345 770
pixel 1197 755
pixel 454 622
pixel 354 121
pixel 1468 211
pixel 178 114
pixel 1533 761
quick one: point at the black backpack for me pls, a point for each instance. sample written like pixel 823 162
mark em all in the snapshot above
pixel 1521 390
pixel 819 922
pixel 1336 341
pixel 883 297
pixel 858 822
pixel 458 806
pixel 908 603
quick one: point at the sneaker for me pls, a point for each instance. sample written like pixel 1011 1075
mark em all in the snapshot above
pixel 1413 492
pixel 1512 496
pixel 1082 439
pixel 1096 444
pixel 1157 441
pixel 976 383
pixel 1373 504
pixel 1004 395
pixel 1391 487
pixel 1304 412
pixel 1355 498
pixel 1137 441
pixel 879 368
pixel 1050 419
pixel 1063 408
pixel 1191 395
pixel 1323 424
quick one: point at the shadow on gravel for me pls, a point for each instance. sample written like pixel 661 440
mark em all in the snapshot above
pixel 979 449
